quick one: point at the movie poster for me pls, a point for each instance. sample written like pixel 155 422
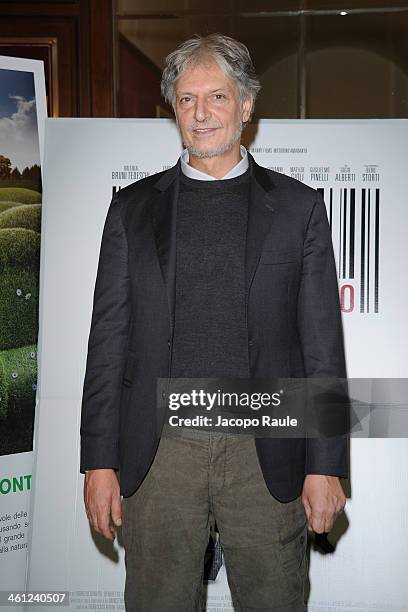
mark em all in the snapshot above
pixel 22 114
pixel 359 166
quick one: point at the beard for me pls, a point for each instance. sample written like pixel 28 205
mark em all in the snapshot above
pixel 221 149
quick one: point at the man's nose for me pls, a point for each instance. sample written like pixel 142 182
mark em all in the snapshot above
pixel 202 112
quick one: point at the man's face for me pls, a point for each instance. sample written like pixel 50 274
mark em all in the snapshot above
pixel 208 110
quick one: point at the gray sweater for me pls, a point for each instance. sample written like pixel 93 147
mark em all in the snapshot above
pixel 210 335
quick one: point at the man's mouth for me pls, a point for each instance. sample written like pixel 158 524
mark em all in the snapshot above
pixel 204 131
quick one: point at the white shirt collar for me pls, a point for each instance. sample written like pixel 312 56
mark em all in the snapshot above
pixel 191 172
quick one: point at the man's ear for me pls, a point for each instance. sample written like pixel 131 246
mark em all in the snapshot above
pixel 247 106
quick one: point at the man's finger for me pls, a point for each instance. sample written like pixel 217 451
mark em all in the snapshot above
pixel 308 511
pixel 104 528
pixel 116 510
pixel 92 518
pixel 318 521
pixel 99 520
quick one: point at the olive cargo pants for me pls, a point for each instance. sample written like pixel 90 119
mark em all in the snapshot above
pixel 196 478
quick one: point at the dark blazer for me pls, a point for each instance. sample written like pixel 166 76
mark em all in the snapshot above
pixel 293 319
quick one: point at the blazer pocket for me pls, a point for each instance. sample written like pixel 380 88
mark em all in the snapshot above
pixel 278 257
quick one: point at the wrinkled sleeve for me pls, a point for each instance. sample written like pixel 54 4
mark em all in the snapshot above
pixel 108 337
pixel 320 331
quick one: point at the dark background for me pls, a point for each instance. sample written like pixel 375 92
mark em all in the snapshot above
pixel 103 58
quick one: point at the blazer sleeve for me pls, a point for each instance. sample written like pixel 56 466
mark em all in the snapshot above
pixel 321 335
pixel 107 345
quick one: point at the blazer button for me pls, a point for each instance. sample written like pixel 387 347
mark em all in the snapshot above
pixel 168 344
pixel 250 342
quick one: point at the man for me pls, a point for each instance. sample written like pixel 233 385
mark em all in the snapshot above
pixel 216 267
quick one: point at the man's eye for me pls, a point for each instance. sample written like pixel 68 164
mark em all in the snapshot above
pixel 219 96
pixel 185 99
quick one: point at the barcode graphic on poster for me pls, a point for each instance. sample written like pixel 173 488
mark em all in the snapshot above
pixel 354 219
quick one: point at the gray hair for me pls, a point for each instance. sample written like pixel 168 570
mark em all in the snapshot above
pixel 232 57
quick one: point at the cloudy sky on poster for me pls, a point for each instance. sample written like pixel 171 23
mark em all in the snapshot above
pixel 18 118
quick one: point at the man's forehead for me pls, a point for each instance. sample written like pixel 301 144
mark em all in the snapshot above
pixel 203 77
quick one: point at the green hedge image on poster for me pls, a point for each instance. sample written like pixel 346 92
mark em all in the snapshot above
pixel 20 194
pixel 18 377
pixel 19 268
pixel 25 215
pixel 20 224
pixel 18 384
pixel 5 205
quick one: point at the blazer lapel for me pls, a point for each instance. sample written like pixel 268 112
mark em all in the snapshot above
pixel 260 215
pixel 163 209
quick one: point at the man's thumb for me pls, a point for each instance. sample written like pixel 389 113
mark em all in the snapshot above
pixel 117 513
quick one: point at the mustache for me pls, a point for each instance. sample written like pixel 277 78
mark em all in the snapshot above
pixel 204 126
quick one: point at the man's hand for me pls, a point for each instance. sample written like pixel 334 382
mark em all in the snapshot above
pixel 102 501
pixel 323 500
